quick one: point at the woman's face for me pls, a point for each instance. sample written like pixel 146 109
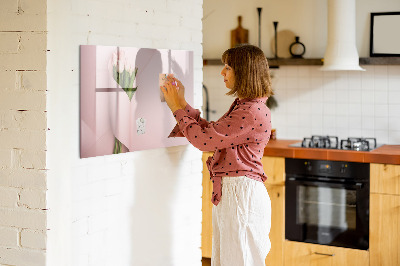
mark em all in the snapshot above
pixel 229 76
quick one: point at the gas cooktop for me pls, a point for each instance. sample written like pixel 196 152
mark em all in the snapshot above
pixel 332 142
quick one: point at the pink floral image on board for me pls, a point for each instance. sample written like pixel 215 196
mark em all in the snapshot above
pixel 121 107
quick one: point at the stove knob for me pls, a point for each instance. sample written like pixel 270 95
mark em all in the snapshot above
pixel 343 168
pixel 308 166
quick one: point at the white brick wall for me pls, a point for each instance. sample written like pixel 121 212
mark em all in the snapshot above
pixel 140 208
pixel 23 132
pixel 33 239
pixel 9 197
pixel 9 237
pixel 11 256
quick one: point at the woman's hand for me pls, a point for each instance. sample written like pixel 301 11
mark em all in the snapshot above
pixel 171 95
pixel 181 90
pixel 181 93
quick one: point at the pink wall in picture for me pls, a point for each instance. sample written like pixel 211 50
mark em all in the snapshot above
pixel 121 107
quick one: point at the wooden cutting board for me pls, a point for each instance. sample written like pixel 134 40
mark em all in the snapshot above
pixel 239 35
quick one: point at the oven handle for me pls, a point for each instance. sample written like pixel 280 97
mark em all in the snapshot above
pixel 357 185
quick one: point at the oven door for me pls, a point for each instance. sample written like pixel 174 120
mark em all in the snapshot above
pixel 327 213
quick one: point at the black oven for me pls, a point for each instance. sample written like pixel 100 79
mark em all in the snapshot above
pixel 327 202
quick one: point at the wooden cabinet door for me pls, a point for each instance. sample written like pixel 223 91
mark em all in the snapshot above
pixel 206 226
pixel 274 168
pixel 304 254
pixel 277 233
pixel 384 237
pixel 385 178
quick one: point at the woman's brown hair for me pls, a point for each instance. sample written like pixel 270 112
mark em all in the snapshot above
pixel 250 66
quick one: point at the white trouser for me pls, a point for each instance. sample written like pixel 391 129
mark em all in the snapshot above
pixel 241 223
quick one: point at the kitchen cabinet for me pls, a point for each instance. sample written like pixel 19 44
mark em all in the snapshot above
pixel 206 225
pixel 277 233
pixel 385 178
pixel 384 245
pixel 274 168
pixel 384 221
pixel 385 230
pixel 385 215
pixel 305 254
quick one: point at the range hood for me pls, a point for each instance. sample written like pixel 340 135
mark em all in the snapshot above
pixel 341 51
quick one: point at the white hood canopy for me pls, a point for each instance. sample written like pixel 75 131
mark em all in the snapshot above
pixel 341 51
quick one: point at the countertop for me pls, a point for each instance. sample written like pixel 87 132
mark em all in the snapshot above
pixel 388 154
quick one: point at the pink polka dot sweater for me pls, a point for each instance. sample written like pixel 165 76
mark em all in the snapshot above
pixel 238 139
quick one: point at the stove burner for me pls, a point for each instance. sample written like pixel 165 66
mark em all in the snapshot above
pixel 358 144
pixel 332 142
pixel 328 142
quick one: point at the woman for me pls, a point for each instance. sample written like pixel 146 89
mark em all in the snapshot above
pixel 242 211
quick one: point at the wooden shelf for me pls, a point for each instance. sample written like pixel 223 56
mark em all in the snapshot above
pixel 380 61
pixel 273 63
pixel 212 62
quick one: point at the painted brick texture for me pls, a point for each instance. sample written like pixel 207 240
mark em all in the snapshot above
pixel 23 15
pixel 140 208
pixel 23 125
pixel 9 237
pixel 33 239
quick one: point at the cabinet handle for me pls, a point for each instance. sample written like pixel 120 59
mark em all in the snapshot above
pixel 324 254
